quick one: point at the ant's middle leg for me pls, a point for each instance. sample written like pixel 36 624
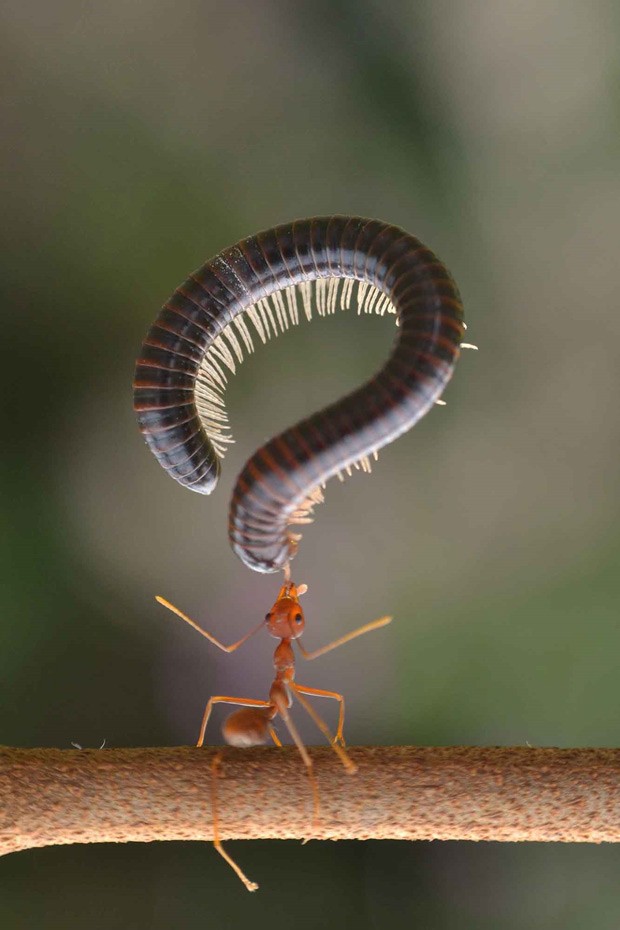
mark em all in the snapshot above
pixel 223 699
pixel 334 742
pixel 319 692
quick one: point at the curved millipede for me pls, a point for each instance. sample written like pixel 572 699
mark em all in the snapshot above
pixel 259 287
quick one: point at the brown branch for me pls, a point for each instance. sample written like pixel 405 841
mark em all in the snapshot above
pixel 50 796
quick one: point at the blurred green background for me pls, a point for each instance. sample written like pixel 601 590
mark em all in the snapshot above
pixel 139 139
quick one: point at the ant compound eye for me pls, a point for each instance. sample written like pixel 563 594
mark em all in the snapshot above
pixel 268 617
pixel 298 618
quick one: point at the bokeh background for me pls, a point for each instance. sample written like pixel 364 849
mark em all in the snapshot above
pixel 141 137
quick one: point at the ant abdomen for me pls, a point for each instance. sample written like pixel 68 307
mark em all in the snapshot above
pixel 247 727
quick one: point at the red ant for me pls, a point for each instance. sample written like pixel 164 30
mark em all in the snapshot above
pixel 251 726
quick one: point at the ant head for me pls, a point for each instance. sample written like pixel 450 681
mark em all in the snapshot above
pixel 246 727
pixel 286 620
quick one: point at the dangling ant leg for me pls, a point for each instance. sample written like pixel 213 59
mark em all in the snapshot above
pixel 215 767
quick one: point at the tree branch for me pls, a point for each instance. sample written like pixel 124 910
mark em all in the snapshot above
pixel 50 796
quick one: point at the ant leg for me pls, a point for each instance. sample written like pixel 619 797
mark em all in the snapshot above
pixel 303 752
pixel 348 763
pixel 319 692
pixel 215 767
pixel 275 737
pixel 196 626
pixel 374 625
pixel 223 699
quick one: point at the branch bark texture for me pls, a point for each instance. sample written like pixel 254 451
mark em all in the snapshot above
pixel 50 796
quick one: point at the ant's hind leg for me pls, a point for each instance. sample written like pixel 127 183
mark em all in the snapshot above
pixel 275 737
pixel 303 752
pixel 215 768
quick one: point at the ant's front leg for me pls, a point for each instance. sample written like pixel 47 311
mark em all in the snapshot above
pixel 196 626
pixel 367 628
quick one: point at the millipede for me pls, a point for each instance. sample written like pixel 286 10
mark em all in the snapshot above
pixel 255 290
pixel 249 293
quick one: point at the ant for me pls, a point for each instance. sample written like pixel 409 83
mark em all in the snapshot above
pixel 252 724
